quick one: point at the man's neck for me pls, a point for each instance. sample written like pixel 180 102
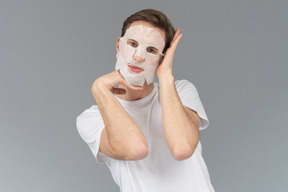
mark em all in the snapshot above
pixel 132 95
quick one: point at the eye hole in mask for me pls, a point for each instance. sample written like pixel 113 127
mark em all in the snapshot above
pixel 150 50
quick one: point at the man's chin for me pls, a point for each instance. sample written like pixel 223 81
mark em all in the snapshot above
pixel 139 87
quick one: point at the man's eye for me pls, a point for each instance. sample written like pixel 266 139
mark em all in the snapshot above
pixel 152 50
pixel 133 43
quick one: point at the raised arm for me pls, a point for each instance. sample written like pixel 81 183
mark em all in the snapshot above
pixel 180 124
pixel 121 138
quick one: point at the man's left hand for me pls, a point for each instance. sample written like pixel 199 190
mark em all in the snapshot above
pixel 166 65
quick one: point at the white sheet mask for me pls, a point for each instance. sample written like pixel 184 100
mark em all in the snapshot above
pixel 139 42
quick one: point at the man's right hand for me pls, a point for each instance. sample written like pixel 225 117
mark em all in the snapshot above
pixel 107 82
pixel 121 138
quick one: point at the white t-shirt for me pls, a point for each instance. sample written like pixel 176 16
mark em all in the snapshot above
pixel 159 171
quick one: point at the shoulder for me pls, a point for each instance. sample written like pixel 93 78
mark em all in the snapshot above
pixel 183 82
pixel 89 115
pixel 184 86
pixel 89 112
pixel 190 98
pixel 89 120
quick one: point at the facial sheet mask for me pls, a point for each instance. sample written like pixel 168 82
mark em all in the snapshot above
pixel 139 41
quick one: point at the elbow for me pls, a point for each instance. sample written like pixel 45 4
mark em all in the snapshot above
pixel 139 152
pixel 183 152
pixel 132 152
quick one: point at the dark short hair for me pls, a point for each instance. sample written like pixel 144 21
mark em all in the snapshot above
pixel 154 17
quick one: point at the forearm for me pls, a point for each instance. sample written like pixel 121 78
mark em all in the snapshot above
pixel 124 135
pixel 181 132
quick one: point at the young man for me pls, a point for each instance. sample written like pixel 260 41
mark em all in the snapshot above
pixel 147 133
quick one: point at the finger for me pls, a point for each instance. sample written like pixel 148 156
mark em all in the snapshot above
pixel 177 32
pixel 118 91
pixel 120 78
pixel 123 81
pixel 175 43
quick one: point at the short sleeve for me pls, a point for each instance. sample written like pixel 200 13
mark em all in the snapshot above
pixel 90 126
pixel 190 98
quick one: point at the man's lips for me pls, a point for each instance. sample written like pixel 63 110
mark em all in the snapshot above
pixel 135 68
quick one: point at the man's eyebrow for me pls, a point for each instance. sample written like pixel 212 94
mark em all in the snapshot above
pixel 153 47
pixel 133 40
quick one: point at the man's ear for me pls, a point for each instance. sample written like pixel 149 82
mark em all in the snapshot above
pixel 117 44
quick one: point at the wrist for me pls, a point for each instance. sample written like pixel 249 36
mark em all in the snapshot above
pixel 166 77
pixel 99 87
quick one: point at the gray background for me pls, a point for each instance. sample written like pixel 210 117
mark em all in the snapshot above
pixel 235 53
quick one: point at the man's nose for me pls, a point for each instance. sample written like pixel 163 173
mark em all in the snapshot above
pixel 139 55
